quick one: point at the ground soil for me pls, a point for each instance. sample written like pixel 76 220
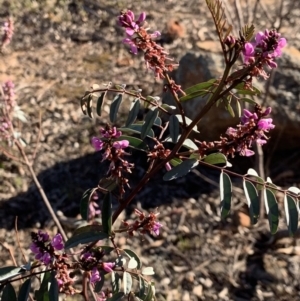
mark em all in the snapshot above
pixel 58 51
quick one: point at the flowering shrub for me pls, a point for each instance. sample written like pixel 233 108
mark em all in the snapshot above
pixel 90 256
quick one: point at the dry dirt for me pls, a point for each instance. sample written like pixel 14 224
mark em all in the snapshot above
pixel 60 48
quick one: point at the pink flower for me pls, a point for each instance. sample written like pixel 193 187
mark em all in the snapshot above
pixel 121 144
pixel 108 266
pixel 97 143
pixel 248 53
pixel 132 45
pixel 168 166
pixel 156 228
pixel 46 258
pixel 265 124
pixel 57 242
pixel 95 276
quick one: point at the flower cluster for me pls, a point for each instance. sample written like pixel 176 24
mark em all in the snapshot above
pixel 114 152
pixel 91 260
pixel 144 224
pixel 253 127
pixel 138 38
pixel 8 30
pixel 44 248
pixel 263 51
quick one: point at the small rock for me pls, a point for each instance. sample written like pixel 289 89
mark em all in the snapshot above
pixel 198 290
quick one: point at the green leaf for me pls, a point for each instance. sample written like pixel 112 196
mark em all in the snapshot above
pixel 133 112
pixel 241 90
pixel 174 128
pixel 24 290
pixel 127 282
pixel 188 143
pixel 271 186
pixel 108 183
pixel 43 293
pixel 9 293
pixel 100 101
pixel 54 290
pixel 134 142
pixel 188 121
pixel 136 129
pixel 181 169
pixel 225 193
pixel 114 107
pixel 238 108
pixel 215 158
pixel 150 293
pixel 99 284
pixel 84 203
pixel 86 234
pixel 10 272
pixel 106 213
pixel 157 121
pixel 83 101
pixel 248 100
pixel 149 121
pixel 291 213
pixel 229 109
pixel 175 161
pixel 271 210
pixel 248 32
pixel 115 282
pixel 253 173
pixel 197 90
pixel 116 297
pixel 252 199
pixel 131 254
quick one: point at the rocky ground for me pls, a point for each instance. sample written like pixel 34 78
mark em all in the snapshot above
pixel 58 51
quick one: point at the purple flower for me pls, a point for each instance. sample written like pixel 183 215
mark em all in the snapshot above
pixel 156 228
pixel 108 266
pixel 87 256
pixel 46 258
pixel 97 143
pixel 43 236
pixel 111 133
pixel 265 124
pixel 281 43
pixel 95 276
pixel 57 242
pixel 121 144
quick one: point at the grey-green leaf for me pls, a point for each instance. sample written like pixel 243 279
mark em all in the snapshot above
pixel 114 107
pixel 130 254
pixel 136 129
pixel 115 282
pixel 54 290
pixel 291 213
pixel 225 193
pixel 181 169
pixel 9 293
pixel 271 210
pixel 188 121
pixel 133 112
pixel 84 203
pixel 10 272
pixel 127 282
pixel 106 213
pixel 174 128
pixel 24 290
pixel 197 90
pixel 86 235
pixel 253 200
pixel 149 121
pixel 100 101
